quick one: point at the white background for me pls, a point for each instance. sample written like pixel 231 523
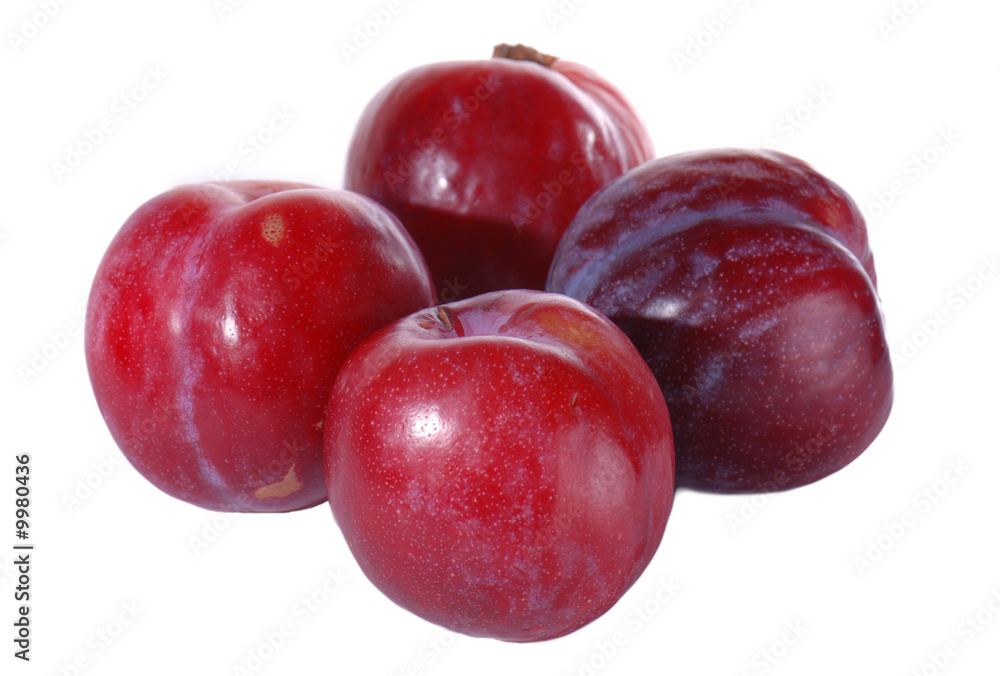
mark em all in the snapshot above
pixel 875 570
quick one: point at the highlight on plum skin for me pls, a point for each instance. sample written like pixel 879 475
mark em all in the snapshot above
pixel 485 161
pixel 501 466
pixel 217 321
pixel 745 280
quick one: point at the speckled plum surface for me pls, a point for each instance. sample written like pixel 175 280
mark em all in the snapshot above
pixel 761 325
pixel 502 465
pixel 672 192
pixel 486 162
pixel 217 321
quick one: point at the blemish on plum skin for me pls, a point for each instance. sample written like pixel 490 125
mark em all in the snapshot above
pixel 273 229
pixel 280 489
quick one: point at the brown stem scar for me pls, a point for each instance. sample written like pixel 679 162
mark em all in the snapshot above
pixel 521 52
pixel 444 316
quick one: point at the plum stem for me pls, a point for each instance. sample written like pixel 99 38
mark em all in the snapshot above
pixel 442 319
pixel 521 52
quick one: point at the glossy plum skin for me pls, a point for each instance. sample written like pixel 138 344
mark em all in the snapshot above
pixel 764 331
pixel 502 465
pixel 486 162
pixel 672 192
pixel 217 321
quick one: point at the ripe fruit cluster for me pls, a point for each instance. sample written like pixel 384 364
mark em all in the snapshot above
pixel 499 454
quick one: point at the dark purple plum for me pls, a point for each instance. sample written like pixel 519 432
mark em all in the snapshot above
pixel 674 191
pixel 763 329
